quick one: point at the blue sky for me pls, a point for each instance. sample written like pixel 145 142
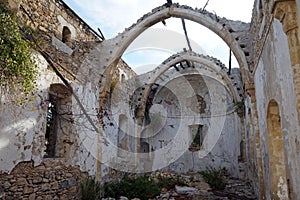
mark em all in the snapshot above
pixel 113 16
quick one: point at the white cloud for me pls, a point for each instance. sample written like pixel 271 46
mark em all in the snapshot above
pixel 116 15
pixel 113 16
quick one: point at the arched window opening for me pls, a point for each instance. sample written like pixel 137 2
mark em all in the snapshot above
pixel 66 35
pixel 50 136
pixel 145 147
pixel 280 186
pixel 59 122
pixel 123 78
pixel 145 150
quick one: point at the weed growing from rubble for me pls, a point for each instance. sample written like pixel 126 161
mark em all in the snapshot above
pixel 143 187
pixel 215 177
pixel 90 189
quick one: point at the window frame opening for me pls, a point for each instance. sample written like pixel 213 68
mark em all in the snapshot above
pixel 66 35
pixel 196 137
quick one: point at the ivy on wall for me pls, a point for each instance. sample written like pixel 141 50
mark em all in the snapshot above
pixel 18 68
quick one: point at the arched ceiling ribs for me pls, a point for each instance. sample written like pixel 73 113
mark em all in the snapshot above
pixel 218 72
pixel 234 33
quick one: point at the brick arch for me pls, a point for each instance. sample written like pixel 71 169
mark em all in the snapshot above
pixel 234 33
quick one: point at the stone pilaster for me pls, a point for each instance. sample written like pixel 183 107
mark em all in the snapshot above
pixel 251 92
pixel 286 12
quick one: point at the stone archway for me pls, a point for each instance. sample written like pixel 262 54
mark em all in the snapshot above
pixel 278 173
pixel 234 33
pixel 211 63
pixel 203 64
pixel 94 75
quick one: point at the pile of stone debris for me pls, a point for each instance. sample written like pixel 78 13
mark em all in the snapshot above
pixel 198 189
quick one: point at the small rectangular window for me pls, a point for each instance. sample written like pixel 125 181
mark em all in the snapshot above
pixel 197 137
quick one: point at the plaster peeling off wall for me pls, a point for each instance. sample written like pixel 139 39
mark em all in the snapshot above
pixel 274 81
pixel 220 126
pixel 23 126
pixel 84 152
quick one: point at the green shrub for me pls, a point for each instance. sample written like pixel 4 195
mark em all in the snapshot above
pixel 18 69
pixel 170 182
pixel 90 189
pixel 143 187
pixel 215 177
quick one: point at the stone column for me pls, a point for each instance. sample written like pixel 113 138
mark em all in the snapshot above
pixel 286 13
pixel 251 92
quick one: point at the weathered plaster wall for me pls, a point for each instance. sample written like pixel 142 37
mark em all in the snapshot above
pixel 250 140
pixel 263 50
pixel 274 80
pixel 221 142
pixel 23 126
pixel 85 128
pixel 171 115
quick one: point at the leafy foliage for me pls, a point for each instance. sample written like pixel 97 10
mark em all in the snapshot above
pixel 170 182
pixel 215 177
pixel 143 187
pixel 90 189
pixel 18 69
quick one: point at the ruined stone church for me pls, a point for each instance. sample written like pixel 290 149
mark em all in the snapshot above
pixel 94 116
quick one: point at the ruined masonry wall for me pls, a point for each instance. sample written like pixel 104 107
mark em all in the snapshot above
pixel 48 18
pixel 274 81
pixel 23 126
pixel 51 180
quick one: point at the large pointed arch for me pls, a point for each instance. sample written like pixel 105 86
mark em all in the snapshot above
pixel 201 64
pixel 107 54
pixel 218 70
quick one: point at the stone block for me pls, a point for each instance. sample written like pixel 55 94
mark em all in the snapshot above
pixel 46 187
pixel 185 190
pixel 39 198
pixel 63 184
pixel 69 175
pixel 21 181
pixel 54 186
pixel 28 190
pixel 6 185
pixel 2 193
pixel 32 196
pixel 45 180
pixel 37 180
pixel 72 182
